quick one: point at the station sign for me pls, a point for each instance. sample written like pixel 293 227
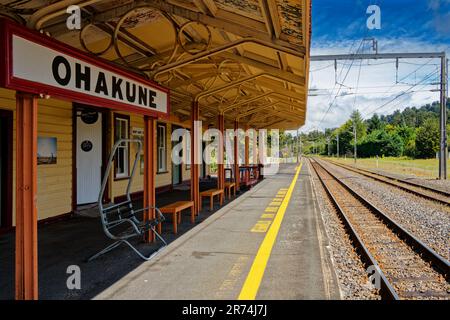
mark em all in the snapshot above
pixel 34 63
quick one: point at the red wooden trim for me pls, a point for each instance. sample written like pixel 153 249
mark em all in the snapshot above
pixel 149 171
pixel 187 166
pixel 106 141
pixel 26 193
pixel 123 117
pixel 195 190
pixel 74 158
pixel 160 124
pixel 236 155
pixel 246 148
pixel 255 148
pixel 9 28
pixel 7 217
pixel 221 166
pixel 180 166
pixel 3 57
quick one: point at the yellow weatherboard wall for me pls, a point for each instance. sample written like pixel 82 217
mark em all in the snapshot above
pixel 54 196
pixel 55 180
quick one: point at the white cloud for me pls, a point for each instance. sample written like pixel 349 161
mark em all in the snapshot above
pixel 377 83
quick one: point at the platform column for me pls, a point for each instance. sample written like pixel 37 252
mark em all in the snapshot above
pixel 246 147
pixel 195 159
pixel 236 154
pixel 220 160
pixel 255 148
pixel 149 171
pixel 26 197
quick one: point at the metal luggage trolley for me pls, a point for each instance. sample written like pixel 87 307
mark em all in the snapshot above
pixel 119 220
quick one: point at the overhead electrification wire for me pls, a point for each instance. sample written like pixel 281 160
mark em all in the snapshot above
pixel 345 94
pixel 409 74
pixel 403 78
pixel 340 85
pixel 369 64
pixel 335 84
pixel 400 95
pixel 375 87
pixel 403 99
pixel 414 85
pixel 322 68
pixel 357 84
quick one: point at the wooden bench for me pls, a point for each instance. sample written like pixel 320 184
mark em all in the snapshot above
pixel 175 210
pixel 249 175
pixel 229 186
pixel 211 193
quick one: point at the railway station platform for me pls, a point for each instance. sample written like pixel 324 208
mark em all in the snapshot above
pixel 267 244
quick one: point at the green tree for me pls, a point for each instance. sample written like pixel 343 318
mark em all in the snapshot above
pixel 361 129
pixel 374 123
pixel 427 139
pixel 381 143
pixel 408 136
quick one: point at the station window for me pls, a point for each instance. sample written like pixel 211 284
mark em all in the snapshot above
pixel 188 151
pixel 162 150
pixel 122 131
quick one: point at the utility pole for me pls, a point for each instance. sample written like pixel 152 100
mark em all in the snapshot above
pixel 298 145
pixel 443 121
pixel 337 144
pixel 329 150
pixel 354 143
pixel 443 97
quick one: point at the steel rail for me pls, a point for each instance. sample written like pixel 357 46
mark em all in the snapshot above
pixel 425 252
pixel 373 175
pixel 387 291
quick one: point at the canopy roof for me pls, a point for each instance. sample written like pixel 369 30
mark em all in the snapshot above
pixel 247 59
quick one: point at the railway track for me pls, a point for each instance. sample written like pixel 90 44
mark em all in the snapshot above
pixel 406 268
pixel 417 189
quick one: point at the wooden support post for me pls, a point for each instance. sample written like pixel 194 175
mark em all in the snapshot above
pixel 255 148
pixel 149 171
pixel 26 197
pixel 220 158
pixel 236 154
pixel 195 160
pixel 246 148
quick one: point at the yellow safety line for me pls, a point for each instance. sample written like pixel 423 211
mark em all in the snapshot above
pixel 254 277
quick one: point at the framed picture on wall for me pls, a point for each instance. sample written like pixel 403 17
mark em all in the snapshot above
pixel 141 164
pixel 47 150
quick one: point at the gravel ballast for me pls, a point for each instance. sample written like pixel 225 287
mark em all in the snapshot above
pixel 427 221
pixel 350 271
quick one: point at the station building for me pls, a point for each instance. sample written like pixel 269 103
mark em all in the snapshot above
pixel 135 70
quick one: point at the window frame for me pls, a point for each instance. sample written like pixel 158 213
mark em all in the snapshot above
pixel 187 158
pixel 126 174
pixel 159 169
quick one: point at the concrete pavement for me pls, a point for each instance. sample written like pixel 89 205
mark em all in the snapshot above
pixel 213 260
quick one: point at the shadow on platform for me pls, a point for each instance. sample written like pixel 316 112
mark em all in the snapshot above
pixel 71 241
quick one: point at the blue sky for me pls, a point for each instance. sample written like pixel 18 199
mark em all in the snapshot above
pixel 406 26
pixel 424 20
